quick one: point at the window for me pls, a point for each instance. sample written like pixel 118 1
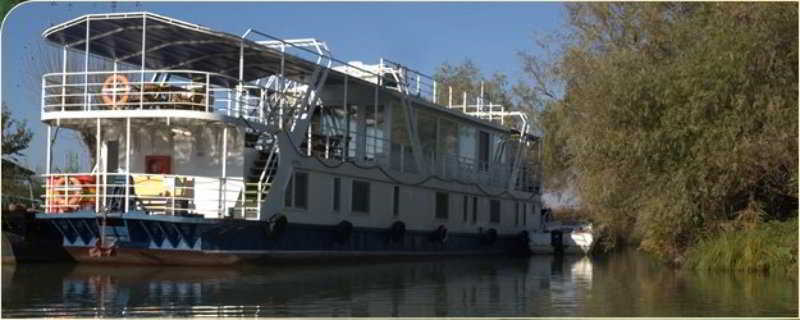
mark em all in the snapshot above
pixel 337 194
pixel 494 211
pixel 296 194
pixel 360 196
pixel 483 150
pixel 442 201
pixel 474 210
pixel 396 202
pixel 465 208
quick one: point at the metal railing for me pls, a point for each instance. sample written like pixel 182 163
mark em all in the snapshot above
pixel 152 90
pixel 399 158
pixel 154 193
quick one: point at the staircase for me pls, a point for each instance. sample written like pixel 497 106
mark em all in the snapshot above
pixel 258 180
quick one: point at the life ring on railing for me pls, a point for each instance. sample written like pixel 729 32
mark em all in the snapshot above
pixel 63 199
pixel 116 86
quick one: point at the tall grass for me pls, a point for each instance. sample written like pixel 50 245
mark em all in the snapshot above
pixel 766 247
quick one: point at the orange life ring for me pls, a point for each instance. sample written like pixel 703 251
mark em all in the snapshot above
pixel 63 199
pixel 116 83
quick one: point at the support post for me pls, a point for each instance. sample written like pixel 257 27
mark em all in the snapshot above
pixel 144 61
pixel 127 163
pixel 450 96
pixel 346 138
pixel 48 201
pixel 223 185
pixel 97 172
pixel 63 81
pixel 86 69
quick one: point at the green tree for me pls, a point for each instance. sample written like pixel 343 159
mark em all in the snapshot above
pixel 16 136
pixel 677 121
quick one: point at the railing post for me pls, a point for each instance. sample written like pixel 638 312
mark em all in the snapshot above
pixel 258 198
pixel 127 163
pixel 66 191
pixel 435 96
pixel 174 182
pixel 208 90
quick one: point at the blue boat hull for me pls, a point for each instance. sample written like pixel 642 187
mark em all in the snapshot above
pixel 173 240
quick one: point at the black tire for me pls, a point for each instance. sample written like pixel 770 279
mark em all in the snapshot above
pixel 439 235
pixel 397 231
pixel 278 224
pixel 490 237
pixel 344 230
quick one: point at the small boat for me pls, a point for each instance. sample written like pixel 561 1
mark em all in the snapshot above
pixel 554 237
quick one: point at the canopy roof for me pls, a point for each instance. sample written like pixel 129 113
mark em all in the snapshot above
pixel 171 44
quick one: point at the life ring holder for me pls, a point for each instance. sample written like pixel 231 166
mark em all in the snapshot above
pixel 111 90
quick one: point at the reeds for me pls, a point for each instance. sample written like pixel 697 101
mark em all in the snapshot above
pixel 767 247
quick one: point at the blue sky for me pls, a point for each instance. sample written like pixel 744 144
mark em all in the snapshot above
pixel 420 35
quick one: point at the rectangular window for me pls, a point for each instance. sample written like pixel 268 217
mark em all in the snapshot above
pixel 442 201
pixel 337 193
pixel 360 196
pixel 396 202
pixel 516 213
pixel 494 211
pixel 301 190
pixel 474 210
pixel 465 208
pixel 483 151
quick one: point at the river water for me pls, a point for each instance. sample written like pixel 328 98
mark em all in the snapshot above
pixel 615 285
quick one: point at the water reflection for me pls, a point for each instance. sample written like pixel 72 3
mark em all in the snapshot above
pixel 539 286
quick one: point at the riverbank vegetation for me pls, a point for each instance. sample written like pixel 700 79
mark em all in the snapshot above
pixel 676 125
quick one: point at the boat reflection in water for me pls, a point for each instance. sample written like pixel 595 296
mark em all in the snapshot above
pixel 456 287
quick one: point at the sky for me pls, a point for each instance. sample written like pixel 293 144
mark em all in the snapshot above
pixel 422 35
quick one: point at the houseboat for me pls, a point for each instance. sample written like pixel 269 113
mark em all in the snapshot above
pixel 214 148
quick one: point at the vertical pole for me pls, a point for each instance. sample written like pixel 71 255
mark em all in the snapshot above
pixel 97 172
pixel 127 162
pixel 86 69
pixel 48 201
pixel 208 88
pixel 239 90
pixel 450 96
pixel 283 84
pixel 346 137
pixel 435 98
pixel 224 168
pixel 144 61
pixel 464 102
pixel 63 80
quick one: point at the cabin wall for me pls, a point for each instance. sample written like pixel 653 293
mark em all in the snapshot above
pixel 417 204
pixel 194 150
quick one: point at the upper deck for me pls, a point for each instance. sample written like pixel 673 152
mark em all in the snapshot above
pixel 146 65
